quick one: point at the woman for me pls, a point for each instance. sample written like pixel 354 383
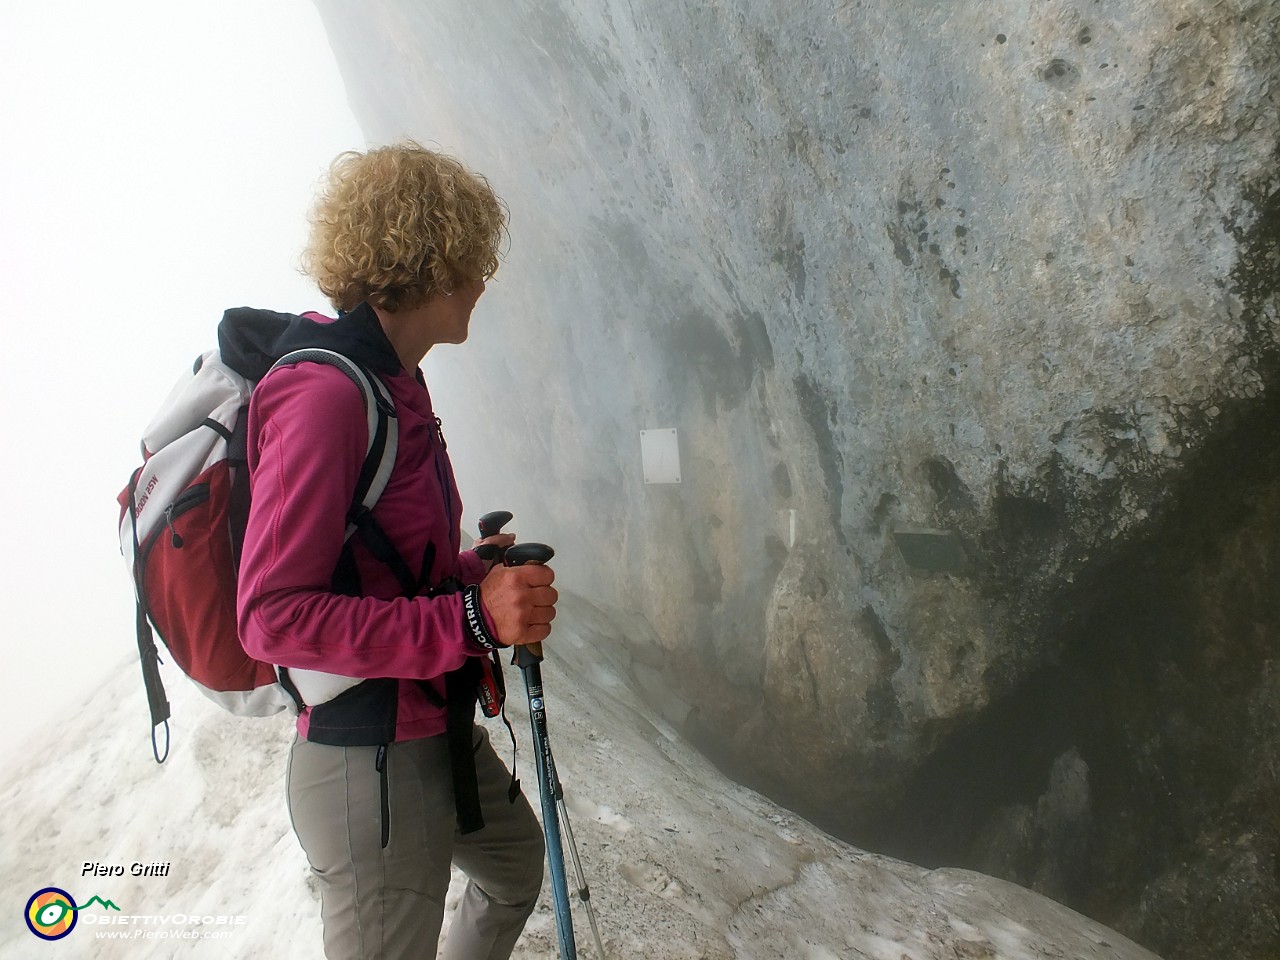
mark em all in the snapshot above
pixel 402 242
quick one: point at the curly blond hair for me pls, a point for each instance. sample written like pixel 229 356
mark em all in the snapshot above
pixel 399 224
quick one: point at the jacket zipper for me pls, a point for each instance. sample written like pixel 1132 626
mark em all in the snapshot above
pixel 442 475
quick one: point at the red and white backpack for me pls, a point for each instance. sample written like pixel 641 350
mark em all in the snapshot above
pixel 182 522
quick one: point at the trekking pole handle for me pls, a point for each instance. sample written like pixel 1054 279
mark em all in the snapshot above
pixel 518 556
pixel 490 524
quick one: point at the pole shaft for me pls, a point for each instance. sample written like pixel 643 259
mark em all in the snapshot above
pixel 547 790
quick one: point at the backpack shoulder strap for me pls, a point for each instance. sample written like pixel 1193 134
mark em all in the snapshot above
pixel 380 457
pixel 380 413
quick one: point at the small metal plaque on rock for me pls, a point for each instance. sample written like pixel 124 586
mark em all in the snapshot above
pixel 660 455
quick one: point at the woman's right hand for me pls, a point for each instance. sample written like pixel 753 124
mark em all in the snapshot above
pixel 520 601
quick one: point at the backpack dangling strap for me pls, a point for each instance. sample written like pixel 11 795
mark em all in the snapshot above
pixel 157 702
pixel 460 714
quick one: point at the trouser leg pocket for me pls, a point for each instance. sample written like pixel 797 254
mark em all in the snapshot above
pixel 384 794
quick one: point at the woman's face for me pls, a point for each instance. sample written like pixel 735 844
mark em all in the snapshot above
pixel 455 313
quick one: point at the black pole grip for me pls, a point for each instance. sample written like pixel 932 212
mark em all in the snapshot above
pixel 527 654
pixel 523 553
pixel 490 524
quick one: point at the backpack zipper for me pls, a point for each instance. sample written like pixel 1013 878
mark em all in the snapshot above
pixel 189 499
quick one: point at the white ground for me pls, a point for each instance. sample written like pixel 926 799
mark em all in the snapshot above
pixel 682 862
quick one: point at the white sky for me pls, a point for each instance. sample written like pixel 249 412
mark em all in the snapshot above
pixel 158 160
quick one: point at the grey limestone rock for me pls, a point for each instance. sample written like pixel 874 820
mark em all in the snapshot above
pixel 1004 271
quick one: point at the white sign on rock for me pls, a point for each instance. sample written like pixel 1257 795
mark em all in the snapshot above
pixel 660 455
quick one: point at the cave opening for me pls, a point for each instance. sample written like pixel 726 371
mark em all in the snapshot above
pixel 1135 778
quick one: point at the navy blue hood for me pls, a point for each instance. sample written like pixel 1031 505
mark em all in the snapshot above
pixel 252 340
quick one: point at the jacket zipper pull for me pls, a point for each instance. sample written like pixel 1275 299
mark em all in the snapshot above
pixel 168 522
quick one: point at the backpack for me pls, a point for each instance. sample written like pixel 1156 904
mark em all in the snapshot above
pixel 182 524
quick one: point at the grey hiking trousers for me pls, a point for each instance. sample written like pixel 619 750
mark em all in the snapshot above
pixel 388 903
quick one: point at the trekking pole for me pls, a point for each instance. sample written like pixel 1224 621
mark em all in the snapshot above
pixel 528 657
pixel 584 891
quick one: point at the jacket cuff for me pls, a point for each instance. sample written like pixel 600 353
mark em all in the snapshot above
pixel 476 622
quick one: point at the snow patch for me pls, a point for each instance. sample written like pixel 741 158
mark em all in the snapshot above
pixel 683 864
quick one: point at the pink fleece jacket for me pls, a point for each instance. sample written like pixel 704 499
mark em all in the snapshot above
pixel 307 440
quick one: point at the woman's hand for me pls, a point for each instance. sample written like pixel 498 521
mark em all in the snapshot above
pixel 520 601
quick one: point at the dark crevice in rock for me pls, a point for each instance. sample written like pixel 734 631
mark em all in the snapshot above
pixel 952 495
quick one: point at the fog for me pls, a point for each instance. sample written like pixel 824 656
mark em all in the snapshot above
pixel 159 162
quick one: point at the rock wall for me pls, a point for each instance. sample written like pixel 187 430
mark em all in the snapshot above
pixel 976 297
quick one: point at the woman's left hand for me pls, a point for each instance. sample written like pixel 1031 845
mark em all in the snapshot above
pixel 499 540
